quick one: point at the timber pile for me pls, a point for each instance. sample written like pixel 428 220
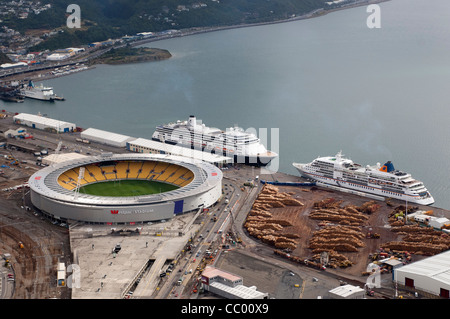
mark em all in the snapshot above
pixel 261 224
pixel 418 240
pixel 270 197
pixel 330 210
pixel 335 259
pixel 337 238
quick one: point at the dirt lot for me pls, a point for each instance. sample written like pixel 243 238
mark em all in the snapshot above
pixel 44 245
pixel 290 227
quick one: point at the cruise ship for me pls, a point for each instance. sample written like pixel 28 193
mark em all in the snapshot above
pixel 379 180
pixel 38 92
pixel 242 146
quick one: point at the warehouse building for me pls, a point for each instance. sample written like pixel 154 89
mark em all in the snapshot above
pixel 13 65
pixel 105 137
pixel 430 276
pixel 440 223
pixel 347 292
pixel 227 285
pixel 43 123
pixel 142 145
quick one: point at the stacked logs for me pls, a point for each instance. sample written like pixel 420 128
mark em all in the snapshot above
pixel 342 232
pixel 330 210
pixel 419 240
pixel 270 197
pixel 337 238
pixel 261 224
pixel 335 259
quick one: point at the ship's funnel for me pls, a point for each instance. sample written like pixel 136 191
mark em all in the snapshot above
pixel 192 121
pixel 387 167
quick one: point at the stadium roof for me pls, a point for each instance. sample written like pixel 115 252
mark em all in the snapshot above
pixel 44 181
pixel 62 157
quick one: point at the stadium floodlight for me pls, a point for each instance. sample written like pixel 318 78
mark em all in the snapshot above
pixel 80 177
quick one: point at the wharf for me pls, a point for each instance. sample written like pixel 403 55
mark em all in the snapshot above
pixel 135 271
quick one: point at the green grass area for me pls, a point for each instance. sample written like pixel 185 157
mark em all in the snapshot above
pixel 124 188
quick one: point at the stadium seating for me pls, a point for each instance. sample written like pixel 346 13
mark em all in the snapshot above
pixel 147 167
pixel 121 170
pixel 96 172
pixel 150 170
pixel 134 169
pixel 109 172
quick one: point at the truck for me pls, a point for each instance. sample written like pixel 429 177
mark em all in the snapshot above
pixel 117 248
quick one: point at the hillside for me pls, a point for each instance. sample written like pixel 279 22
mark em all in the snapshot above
pixel 103 19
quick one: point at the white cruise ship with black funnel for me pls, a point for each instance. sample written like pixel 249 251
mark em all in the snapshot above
pixel 243 147
pixel 379 180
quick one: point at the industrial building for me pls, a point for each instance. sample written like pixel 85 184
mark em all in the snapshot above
pixel 227 285
pixel 13 65
pixel 142 145
pixel 105 137
pixel 440 223
pixel 347 292
pixel 58 56
pixel 430 276
pixel 43 123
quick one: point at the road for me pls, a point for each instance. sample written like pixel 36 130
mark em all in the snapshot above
pixel 210 237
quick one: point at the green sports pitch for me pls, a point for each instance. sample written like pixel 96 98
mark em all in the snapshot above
pixel 124 188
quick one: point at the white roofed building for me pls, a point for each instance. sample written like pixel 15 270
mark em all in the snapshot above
pixel 105 137
pixel 430 275
pixel 347 292
pixel 227 285
pixel 43 123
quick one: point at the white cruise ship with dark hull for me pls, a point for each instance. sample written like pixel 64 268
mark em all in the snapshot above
pixel 242 146
pixel 379 180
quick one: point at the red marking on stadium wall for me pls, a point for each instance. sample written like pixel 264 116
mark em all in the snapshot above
pixel 214 174
pixel 37 178
pixel 114 212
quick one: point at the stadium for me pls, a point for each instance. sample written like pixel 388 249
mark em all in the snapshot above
pixel 124 188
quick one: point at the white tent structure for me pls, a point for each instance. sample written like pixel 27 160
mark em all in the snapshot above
pixel 105 137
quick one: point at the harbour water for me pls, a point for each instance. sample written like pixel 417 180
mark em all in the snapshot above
pixel 327 84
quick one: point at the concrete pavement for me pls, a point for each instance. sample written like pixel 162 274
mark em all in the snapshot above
pixel 105 275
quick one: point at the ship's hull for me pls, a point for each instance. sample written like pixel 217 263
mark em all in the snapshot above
pixel 364 188
pixel 35 96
